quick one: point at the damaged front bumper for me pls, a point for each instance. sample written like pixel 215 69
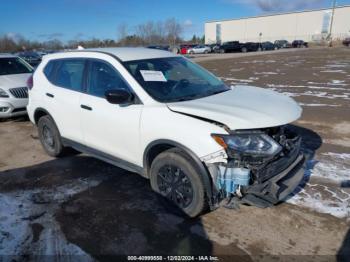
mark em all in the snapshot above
pixel 277 188
pixel 263 183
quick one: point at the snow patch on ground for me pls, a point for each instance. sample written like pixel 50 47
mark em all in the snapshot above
pixel 21 211
pixel 337 82
pixel 325 192
pixel 236 69
pixel 316 105
pixel 323 199
pixel 332 166
pixel 318 94
pixel 266 73
pixel 238 80
pixel 333 71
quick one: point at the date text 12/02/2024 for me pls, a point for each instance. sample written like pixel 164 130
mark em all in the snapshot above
pixel 173 258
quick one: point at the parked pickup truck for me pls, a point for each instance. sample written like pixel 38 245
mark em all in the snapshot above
pixel 282 44
pixel 228 47
pixel 166 118
pixel 299 44
pixel 251 47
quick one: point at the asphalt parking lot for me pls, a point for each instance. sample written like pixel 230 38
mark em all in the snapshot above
pixel 81 207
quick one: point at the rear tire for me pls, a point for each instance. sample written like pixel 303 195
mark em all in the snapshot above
pixel 50 137
pixel 174 175
pixel 244 50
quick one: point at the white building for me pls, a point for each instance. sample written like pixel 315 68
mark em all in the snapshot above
pixel 309 26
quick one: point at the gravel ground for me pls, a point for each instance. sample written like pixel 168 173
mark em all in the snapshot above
pixel 86 209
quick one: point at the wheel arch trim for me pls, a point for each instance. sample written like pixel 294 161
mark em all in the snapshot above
pixel 46 113
pixel 38 110
pixel 203 172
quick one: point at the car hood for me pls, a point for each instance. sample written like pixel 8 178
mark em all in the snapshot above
pixel 243 107
pixel 11 81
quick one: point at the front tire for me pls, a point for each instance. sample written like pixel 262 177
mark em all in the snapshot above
pixel 174 175
pixel 50 137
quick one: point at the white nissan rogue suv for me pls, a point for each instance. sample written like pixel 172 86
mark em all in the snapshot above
pixel 160 115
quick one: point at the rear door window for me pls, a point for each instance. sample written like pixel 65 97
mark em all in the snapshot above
pixel 69 73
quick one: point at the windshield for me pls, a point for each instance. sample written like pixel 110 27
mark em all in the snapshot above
pixel 174 79
pixel 14 65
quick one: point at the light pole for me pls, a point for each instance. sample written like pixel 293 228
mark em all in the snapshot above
pixel 331 27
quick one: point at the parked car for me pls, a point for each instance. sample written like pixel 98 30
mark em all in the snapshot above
pixel 214 47
pixel 346 41
pixel 42 53
pixel 299 44
pixel 199 49
pixel 160 115
pixel 282 44
pixel 184 48
pixel 31 57
pixel 250 47
pixel 160 47
pixel 14 73
pixel 228 47
pixel 265 46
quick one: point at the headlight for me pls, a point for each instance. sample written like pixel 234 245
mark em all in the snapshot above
pixel 3 93
pixel 249 143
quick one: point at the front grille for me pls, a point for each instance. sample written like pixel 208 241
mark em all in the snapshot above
pixel 19 92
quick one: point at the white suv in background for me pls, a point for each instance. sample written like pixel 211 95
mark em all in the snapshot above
pixel 14 73
pixel 168 119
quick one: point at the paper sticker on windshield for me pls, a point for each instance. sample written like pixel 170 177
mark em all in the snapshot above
pixel 153 76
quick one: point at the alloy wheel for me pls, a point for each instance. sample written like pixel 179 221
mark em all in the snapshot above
pixel 48 138
pixel 175 185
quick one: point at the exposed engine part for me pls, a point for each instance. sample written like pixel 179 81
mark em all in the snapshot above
pixel 229 179
pixel 263 182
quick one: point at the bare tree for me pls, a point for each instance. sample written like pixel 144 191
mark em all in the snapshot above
pixel 160 32
pixel 173 30
pixel 122 33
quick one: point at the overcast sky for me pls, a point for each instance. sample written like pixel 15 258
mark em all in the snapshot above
pixel 71 19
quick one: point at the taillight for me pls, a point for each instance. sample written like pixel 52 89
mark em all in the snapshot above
pixel 30 82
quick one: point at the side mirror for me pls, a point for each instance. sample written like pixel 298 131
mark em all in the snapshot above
pixel 119 96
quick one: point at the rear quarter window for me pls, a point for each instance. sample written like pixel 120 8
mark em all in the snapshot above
pixel 48 70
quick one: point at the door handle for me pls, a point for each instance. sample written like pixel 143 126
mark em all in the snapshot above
pixel 86 107
pixel 50 95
